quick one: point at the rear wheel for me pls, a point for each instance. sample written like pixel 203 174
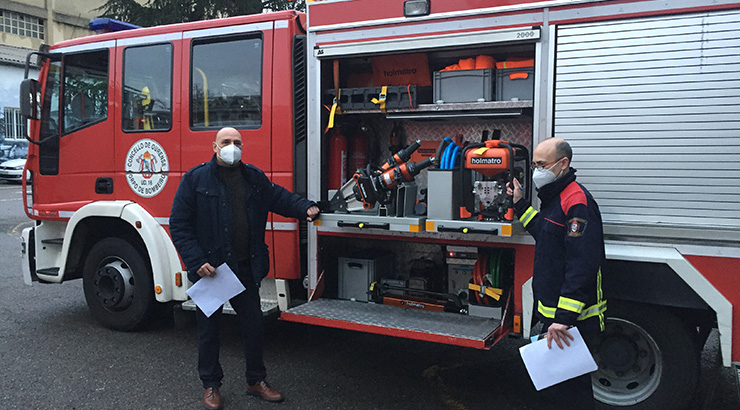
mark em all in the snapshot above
pixel 118 285
pixel 647 359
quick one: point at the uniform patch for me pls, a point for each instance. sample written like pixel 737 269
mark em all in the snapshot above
pixel 576 227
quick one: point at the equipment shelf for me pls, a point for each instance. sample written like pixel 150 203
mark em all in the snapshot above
pixel 455 110
pixel 361 222
pixel 472 227
pixel 440 327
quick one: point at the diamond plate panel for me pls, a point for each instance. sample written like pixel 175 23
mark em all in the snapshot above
pixel 371 314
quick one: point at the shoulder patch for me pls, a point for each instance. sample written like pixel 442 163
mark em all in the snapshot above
pixel 572 195
pixel 576 227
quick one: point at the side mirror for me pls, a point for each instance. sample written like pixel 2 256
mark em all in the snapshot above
pixel 29 98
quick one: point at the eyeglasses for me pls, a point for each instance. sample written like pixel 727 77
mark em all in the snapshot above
pixel 542 165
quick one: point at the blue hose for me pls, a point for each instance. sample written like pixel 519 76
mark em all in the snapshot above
pixel 448 156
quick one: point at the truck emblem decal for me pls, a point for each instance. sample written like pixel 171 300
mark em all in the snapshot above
pixel 147 168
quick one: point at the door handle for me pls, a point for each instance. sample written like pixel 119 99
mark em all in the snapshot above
pixel 104 185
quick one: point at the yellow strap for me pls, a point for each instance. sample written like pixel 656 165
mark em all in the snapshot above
pixel 480 150
pixel 334 110
pixel 381 100
pixel 489 291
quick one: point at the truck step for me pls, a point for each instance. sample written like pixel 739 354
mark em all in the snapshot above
pixel 268 307
pixel 48 271
pixel 440 327
pixel 53 241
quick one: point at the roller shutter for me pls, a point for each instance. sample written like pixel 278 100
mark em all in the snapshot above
pixel 652 110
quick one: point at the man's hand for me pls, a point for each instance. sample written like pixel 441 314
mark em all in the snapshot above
pixel 517 191
pixel 559 333
pixel 312 213
pixel 206 270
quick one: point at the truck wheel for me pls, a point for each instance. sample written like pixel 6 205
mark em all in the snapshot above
pixel 647 359
pixel 118 285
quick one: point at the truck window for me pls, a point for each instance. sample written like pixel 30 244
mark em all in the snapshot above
pixel 85 89
pixel 147 88
pixel 226 83
pixel 49 151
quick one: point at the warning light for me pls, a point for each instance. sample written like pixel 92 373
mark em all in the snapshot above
pixel 158 289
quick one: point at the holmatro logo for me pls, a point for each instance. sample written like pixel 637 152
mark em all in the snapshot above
pixel 486 161
pixel 147 168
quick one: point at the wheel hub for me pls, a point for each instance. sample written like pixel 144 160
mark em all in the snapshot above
pixel 629 364
pixel 114 285
pixel 618 353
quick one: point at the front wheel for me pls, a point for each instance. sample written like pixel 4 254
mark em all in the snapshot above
pixel 118 285
pixel 647 359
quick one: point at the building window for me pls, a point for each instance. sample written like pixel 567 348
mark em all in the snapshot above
pixel 15 124
pixel 21 24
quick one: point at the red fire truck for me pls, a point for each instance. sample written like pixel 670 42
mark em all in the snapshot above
pixel 407 119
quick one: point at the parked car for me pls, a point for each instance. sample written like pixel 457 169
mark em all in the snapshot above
pixel 12 170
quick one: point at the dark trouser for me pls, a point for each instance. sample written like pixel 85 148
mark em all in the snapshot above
pixel 573 394
pixel 249 316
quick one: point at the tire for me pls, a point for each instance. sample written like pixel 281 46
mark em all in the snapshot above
pixel 118 285
pixel 647 359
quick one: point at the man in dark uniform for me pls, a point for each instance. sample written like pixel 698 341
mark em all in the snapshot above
pixel 569 254
pixel 219 216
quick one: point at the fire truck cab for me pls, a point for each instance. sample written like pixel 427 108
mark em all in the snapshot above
pixel 121 117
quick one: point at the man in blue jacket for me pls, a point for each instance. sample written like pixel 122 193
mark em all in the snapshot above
pixel 219 216
pixel 569 254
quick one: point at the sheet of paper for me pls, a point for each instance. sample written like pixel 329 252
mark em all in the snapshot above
pixel 547 367
pixel 210 292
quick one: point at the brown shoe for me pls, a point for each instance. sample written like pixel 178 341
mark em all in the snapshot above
pixel 212 399
pixel 265 392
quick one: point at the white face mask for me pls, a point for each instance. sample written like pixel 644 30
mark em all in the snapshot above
pixel 230 154
pixel 542 177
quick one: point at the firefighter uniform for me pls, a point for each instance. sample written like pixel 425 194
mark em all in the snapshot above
pixel 569 254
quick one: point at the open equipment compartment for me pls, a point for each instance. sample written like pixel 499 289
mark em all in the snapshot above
pixel 416 289
pixel 443 279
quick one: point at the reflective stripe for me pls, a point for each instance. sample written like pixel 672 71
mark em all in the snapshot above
pixel 547 312
pixel 597 309
pixel 571 304
pixel 594 310
pixel 527 216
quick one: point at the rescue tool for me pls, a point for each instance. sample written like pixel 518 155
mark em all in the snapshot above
pixel 448 302
pixel 375 185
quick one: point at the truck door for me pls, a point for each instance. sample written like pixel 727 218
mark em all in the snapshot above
pixel 228 82
pixel 147 133
pixel 79 126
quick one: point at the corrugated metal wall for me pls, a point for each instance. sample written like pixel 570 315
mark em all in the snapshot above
pixel 652 110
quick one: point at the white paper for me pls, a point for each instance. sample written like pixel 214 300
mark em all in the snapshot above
pixel 210 292
pixel 547 367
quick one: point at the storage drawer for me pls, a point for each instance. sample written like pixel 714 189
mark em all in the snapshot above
pixel 463 85
pixel 515 84
pixel 356 275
